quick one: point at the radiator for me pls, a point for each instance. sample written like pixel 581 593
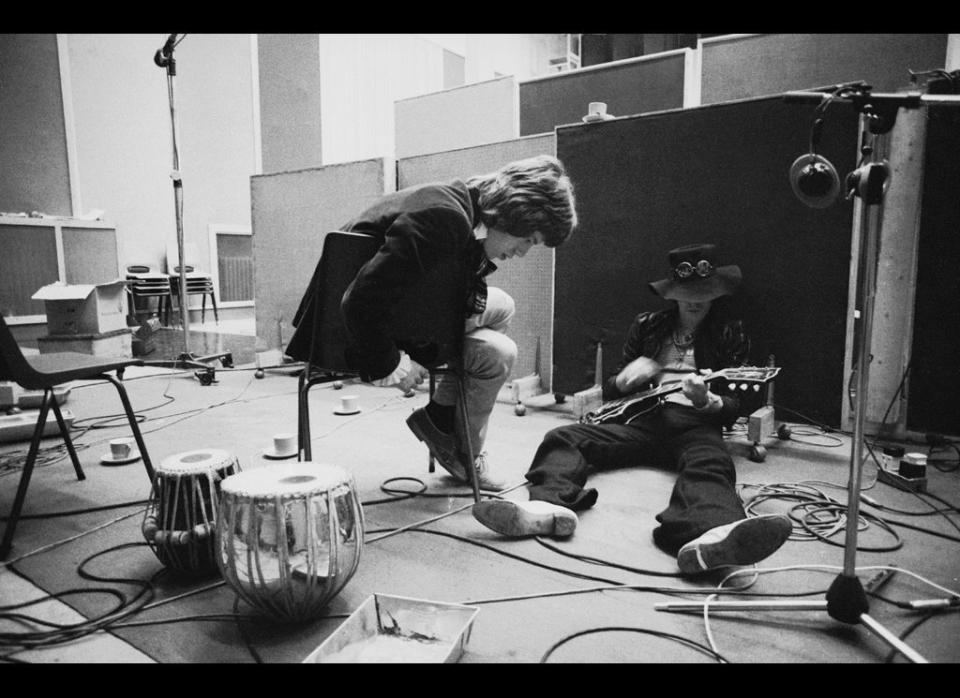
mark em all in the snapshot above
pixel 236 278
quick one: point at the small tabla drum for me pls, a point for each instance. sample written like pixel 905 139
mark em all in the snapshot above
pixel 289 537
pixel 181 516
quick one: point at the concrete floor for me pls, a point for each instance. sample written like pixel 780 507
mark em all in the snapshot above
pixel 16 589
pixel 524 610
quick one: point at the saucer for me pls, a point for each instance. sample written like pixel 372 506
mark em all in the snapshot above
pixel 108 459
pixel 273 455
pixel 590 118
pixel 345 414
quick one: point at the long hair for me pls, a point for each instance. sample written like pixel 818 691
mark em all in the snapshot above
pixel 528 196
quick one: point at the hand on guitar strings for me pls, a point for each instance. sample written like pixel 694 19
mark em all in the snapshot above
pixel 637 375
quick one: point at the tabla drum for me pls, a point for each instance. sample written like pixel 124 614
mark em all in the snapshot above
pixel 182 511
pixel 289 537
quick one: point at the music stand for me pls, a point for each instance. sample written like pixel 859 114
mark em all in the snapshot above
pixel 164 59
pixel 846 599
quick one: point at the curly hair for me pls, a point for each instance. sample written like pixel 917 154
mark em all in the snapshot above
pixel 528 196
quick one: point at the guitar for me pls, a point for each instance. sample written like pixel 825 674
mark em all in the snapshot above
pixel 626 409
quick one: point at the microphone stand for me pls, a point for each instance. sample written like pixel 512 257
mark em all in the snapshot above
pixel 846 599
pixel 164 59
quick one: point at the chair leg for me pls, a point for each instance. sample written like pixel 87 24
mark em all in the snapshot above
pixel 431 466
pixel 65 433
pixel 213 301
pixel 14 517
pixel 132 418
pixel 470 465
pixel 203 308
pixel 303 417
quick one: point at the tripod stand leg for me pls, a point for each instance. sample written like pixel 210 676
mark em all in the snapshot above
pixel 892 640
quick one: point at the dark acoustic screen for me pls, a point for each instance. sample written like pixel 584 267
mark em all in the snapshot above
pixel 934 381
pixel 715 174
pixel 631 87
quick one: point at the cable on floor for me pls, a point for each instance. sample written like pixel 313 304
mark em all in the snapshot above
pixel 61 633
pixel 645 631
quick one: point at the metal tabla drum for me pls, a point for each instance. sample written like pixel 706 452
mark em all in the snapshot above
pixel 289 537
pixel 182 512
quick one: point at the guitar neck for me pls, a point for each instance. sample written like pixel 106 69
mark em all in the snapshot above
pixel 678 385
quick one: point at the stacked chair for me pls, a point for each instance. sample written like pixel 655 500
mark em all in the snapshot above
pixel 198 282
pixel 145 282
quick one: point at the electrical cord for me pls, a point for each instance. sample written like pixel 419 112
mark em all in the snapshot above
pixel 604 563
pixel 916 624
pixel 61 633
pixel 76 512
pixel 944 466
pixel 645 631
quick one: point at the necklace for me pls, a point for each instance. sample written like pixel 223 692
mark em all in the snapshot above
pixel 682 341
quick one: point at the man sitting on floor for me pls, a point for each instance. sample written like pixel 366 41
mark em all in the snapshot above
pixel 704 524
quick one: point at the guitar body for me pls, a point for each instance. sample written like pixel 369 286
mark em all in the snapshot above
pixel 626 409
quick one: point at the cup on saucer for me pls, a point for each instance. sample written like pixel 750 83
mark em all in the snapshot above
pixel 122 451
pixel 284 446
pixel 348 405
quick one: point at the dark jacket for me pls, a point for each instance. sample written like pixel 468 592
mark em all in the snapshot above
pixel 718 344
pixel 416 291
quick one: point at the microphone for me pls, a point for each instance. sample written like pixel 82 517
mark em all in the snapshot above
pixel 812 177
pixel 814 180
pixel 164 56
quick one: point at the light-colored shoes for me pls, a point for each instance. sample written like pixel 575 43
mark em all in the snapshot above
pixel 743 542
pixel 526 518
pixel 486 480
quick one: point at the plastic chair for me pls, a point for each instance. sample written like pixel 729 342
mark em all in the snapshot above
pixel 198 282
pixel 46 372
pixel 145 281
pixel 424 317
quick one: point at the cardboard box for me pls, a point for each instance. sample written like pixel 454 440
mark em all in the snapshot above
pixel 78 309
pixel 396 629
pixel 117 344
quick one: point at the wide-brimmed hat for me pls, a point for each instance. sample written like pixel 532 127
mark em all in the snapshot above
pixel 696 276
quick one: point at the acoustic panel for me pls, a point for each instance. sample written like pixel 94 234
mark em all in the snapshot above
pixel 291 214
pixel 715 174
pixel 934 377
pixel 528 280
pixel 633 86
pixel 28 262
pixel 801 61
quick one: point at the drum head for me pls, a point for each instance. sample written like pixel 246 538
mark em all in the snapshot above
pixel 199 461
pixel 289 479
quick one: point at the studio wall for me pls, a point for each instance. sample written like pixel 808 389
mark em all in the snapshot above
pixel 460 117
pixel 529 280
pixel 716 174
pixel 34 172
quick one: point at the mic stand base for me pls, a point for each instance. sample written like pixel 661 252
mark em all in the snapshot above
pixel 207 373
pixel 838 595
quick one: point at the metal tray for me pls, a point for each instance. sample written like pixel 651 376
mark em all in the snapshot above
pixel 398 630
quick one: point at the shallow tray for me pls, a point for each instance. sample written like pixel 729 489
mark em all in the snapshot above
pixel 396 629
